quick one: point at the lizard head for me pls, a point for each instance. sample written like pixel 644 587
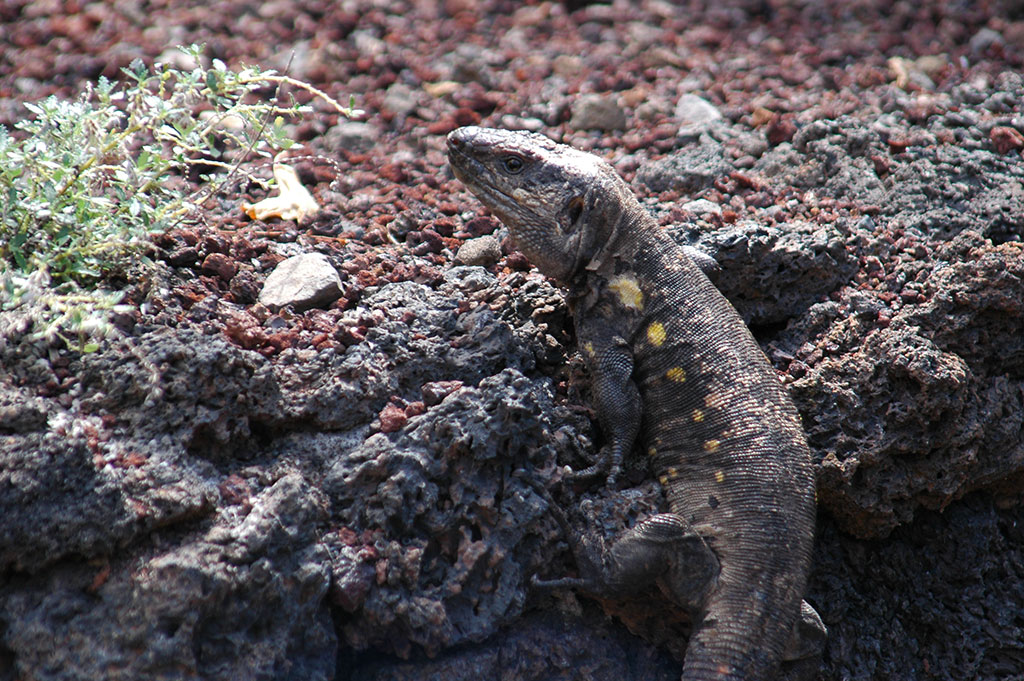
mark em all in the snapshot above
pixel 560 204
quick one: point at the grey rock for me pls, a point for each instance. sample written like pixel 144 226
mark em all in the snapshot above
pixel 436 391
pixel 948 189
pixel 932 393
pixel 691 169
pixel 20 411
pixel 984 39
pixel 399 99
pixel 302 281
pixel 833 157
pixel 368 42
pixel 513 122
pixel 653 108
pixel 201 393
pixel 752 144
pixel 695 113
pixel 484 250
pixel 586 640
pixel 702 207
pixel 59 497
pixel 190 610
pixel 355 136
pixel 417 335
pixel 469 279
pixel 441 475
pixel 774 273
pixel 125 450
pixel 942 567
pixel 597 112
pixel 471 63
pixel 568 65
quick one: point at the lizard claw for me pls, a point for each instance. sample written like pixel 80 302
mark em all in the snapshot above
pixel 591 471
pixel 606 460
pixel 589 555
pixel 577 543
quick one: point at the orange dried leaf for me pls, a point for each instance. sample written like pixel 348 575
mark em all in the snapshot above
pixel 294 202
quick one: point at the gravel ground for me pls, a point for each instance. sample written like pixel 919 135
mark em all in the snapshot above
pixel 328 490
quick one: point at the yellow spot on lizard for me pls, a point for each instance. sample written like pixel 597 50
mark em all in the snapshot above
pixel 627 288
pixel 588 348
pixel 663 480
pixel 673 473
pixel 677 374
pixel 651 451
pixel 719 476
pixel 711 446
pixel 698 415
pixel 656 334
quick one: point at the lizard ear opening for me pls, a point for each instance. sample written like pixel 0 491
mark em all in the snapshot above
pixel 575 209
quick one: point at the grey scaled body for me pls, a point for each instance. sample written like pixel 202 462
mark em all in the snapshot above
pixel 671 363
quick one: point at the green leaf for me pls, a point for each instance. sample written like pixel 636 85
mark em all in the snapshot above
pixel 104 86
pixel 137 70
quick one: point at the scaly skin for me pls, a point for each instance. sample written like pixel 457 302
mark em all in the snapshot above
pixel 668 356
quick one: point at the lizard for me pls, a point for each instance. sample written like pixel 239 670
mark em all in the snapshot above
pixel 670 359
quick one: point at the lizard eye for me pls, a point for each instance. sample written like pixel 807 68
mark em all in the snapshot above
pixel 513 164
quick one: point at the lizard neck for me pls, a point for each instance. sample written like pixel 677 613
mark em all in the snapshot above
pixel 616 238
pixel 616 235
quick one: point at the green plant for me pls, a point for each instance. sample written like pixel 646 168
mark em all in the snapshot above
pixel 83 183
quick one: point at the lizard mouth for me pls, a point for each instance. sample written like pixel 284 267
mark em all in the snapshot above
pixel 475 175
pixel 463 165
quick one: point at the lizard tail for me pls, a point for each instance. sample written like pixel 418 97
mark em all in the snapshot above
pixel 720 647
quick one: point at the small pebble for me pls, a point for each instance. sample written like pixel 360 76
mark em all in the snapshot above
pixel 484 251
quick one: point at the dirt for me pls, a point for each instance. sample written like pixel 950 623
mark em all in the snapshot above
pixel 231 491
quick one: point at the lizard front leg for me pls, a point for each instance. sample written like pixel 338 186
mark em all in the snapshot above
pixel 616 399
